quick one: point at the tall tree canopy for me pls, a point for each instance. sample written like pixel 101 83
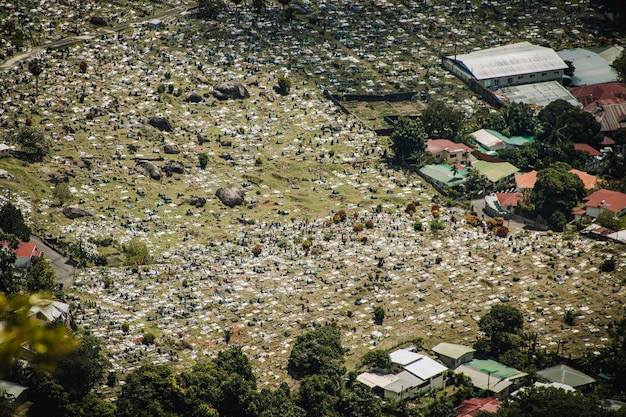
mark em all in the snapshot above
pixel 317 352
pixel 408 138
pixel 500 326
pixel 556 190
pixel 442 120
pixel 12 222
pixel 31 143
pixel 519 120
pixel 560 122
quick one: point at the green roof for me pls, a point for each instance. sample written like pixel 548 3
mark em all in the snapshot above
pixel 452 350
pixel 444 174
pixel 491 367
pixel 495 171
pixel 519 140
pixel 497 134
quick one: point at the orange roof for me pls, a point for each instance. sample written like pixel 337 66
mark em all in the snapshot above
pixel 509 199
pixel 24 249
pixel 612 201
pixel 587 148
pixel 526 179
pixel 590 181
pixel 471 407
pixel 438 145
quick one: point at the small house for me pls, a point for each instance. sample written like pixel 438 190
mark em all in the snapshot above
pixel 563 374
pixel 453 355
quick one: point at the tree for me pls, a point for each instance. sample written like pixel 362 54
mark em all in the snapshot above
pixel 519 119
pixel 316 352
pixel 20 329
pixel 607 219
pixel 377 358
pixel 41 276
pixel 319 395
pixel 379 315
pixel 12 222
pixel 234 361
pixel 258 5
pixel 499 326
pixel 556 190
pixel 62 193
pixel 440 407
pixel 80 370
pixel 442 120
pixel 569 71
pixel 560 123
pixel 210 8
pixel 137 253
pixel 35 68
pixel 203 160
pixel 619 65
pixel 359 401
pixel 408 138
pixel 31 143
pixel 284 3
pixel 82 67
pixel 284 85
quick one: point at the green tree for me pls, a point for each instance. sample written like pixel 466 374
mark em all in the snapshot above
pixel 408 138
pixel 561 123
pixel 500 327
pixel 442 120
pixel 62 193
pixel 550 401
pixel 377 358
pixel 319 396
pixel 12 222
pixel 48 397
pixel 607 219
pixel 619 65
pixel 359 401
pixel 31 144
pixel 316 352
pixel 35 68
pixel 210 8
pixel 284 85
pixel 379 315
pixel 41 276
pixel 203 160
pixel 234 361
pixel 440 407
pixel 137 253
pixel 259 5
pixel 519 119
pixel 556 190
pixel 80 370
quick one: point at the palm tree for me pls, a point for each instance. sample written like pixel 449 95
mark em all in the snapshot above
pixel 34 67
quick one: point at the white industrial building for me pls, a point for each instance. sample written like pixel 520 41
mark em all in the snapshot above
pixel 515 64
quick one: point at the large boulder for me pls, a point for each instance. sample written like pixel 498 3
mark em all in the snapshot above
pixel 174 168
pixel 193 98
pixel 171 149
pixel 230 196
pixel 152 170
pixel 160 123
pixel 230 89
pixel 97 21
pixel 197 201
pixel 75 212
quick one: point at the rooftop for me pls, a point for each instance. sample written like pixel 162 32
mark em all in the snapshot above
pixel 425 368
pixel 540 94
pixel 515 59
pixel 404 357
pixel 438 145
pixel 565 375
pixel 452 350
pixel 591 68
pixel 495 171
pixel 613 201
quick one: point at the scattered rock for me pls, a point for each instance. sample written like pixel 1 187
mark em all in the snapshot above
pixel 230 196
pixel 174 168
pixel 201 138
pixel 152 170
pixel 171 149
pixel 226 143
pixel 75 212
pixel 7 175
pixel 193 98
pixel 197 201
pixel 226 156
pixel 230 89
pixel 160 123
pixel 68 129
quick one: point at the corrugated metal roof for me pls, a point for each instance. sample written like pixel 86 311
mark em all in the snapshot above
pixel 403 356
pixel 495 171
pixel 452 350
pixel 425 368
pixel 509 60
pixel 565 375
pixel 591 68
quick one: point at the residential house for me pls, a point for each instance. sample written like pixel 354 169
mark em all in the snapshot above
pixel 496 172
pixel 453 355
pixel 519 63
pixel 444 175
pixel 412 373
pixel 603 200
pixel 566 375
pixel 502 204
pixel 490 140
pixel 588 149
pixel 48 311
pixel 16 394
pixel 473 406
pixel 527 180
pixel 491 376
pixel 606 102
pixel 24 255
pixel 444 150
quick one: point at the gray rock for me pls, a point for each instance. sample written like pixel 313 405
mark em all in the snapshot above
pixel 193 98
pixel 97 20
pixel 197 201
pixel 230 89
pixel 75 212
pixel 171 149
pixel 230 196
pixel 174 168
pixel 226 156
pixel 160 123
pixel 152 170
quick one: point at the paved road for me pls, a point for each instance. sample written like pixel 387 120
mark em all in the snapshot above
pixel 65 271
pixel 14 61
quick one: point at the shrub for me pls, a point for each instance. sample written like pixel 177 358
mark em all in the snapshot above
pixel 256 250
pixel 125 327
pixel 418 226
pixel 306 245
pixel 501 231
pixel 147 339
pixel 473 220
pixel 436 225
pixel 410 208
pixel 160 89
pixel 358 228
pixel 369 224
pixel 608 265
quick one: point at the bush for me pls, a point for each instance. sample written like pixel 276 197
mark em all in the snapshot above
pixel 410 208
pixel 418 226
pixel 608 265
pixel 358 228
pixel 436 225
pixel 125 327
pixel 369 224
pixel 256 250
pixel 284 85
pixel 160 89
pixel 148 339
pixel 501 231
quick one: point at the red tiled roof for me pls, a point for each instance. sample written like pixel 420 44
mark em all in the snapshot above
pixel 587 148
pixel 606 102
pixel 26 250
pixel 509 199
pixel 471 407
pixel 589 94
pixel 438 145
pixel 612 201
pixel 607 141
pixel 590 181
pixel 526 179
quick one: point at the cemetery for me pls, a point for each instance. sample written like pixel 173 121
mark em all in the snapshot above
pixel 269 212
